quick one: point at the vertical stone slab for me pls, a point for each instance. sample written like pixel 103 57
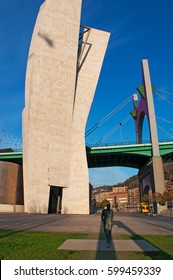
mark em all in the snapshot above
pixel 150 105
pixel 50 87
pixel 59 93
pixel 158 172
pixel 76 197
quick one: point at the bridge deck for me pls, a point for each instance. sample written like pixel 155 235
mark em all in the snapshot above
pixel 135 156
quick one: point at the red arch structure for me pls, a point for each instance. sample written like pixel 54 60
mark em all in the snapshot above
pixel 140 111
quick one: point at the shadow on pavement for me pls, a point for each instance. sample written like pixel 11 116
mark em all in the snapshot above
pixel 103 252
pixel 20 223
pixel 17 229
pixel 157 255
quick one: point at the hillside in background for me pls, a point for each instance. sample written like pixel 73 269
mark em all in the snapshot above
pixel 132 182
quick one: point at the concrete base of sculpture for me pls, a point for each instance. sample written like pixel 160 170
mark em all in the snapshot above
pixel 7 208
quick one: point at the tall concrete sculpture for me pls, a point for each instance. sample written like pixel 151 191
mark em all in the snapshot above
pixel 152 174
pixel 60 83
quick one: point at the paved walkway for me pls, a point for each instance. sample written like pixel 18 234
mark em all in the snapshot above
pixel 124 223
pixel 100 245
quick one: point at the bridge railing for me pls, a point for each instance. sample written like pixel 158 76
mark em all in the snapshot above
pixel 10 150
pixel 124 143
pixel 4 150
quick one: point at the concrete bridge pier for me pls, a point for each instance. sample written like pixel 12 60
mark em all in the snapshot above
pixel 158 174
pixel 158 179
pixel 157 164
pixel 151 182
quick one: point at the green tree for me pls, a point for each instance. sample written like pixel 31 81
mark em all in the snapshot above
pixel 104 202
pixel 145 198
pixel 161 198
pixel 169 196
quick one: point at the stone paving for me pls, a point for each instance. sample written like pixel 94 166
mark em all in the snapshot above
pixel 100 245
pixel 95 246
pixel 124 223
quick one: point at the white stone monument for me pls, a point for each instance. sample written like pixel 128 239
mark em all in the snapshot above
pixel 60 86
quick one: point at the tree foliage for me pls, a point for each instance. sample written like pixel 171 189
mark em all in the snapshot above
pixel 102 204
pixel 166 197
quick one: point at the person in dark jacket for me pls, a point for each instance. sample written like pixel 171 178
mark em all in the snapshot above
pixel 107 219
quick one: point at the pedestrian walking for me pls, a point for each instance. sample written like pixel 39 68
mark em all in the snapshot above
pixel 107 219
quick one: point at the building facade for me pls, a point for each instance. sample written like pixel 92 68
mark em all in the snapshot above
pixel 11 187
pixel 134 197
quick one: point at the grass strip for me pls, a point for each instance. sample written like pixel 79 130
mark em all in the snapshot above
pixel 28 245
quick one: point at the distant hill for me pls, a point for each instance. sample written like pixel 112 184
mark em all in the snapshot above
pixel 104 188
pixel 132 182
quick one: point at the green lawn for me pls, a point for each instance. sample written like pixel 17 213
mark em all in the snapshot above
pixel 28 245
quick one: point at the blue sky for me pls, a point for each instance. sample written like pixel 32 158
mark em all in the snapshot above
pixel 139 29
